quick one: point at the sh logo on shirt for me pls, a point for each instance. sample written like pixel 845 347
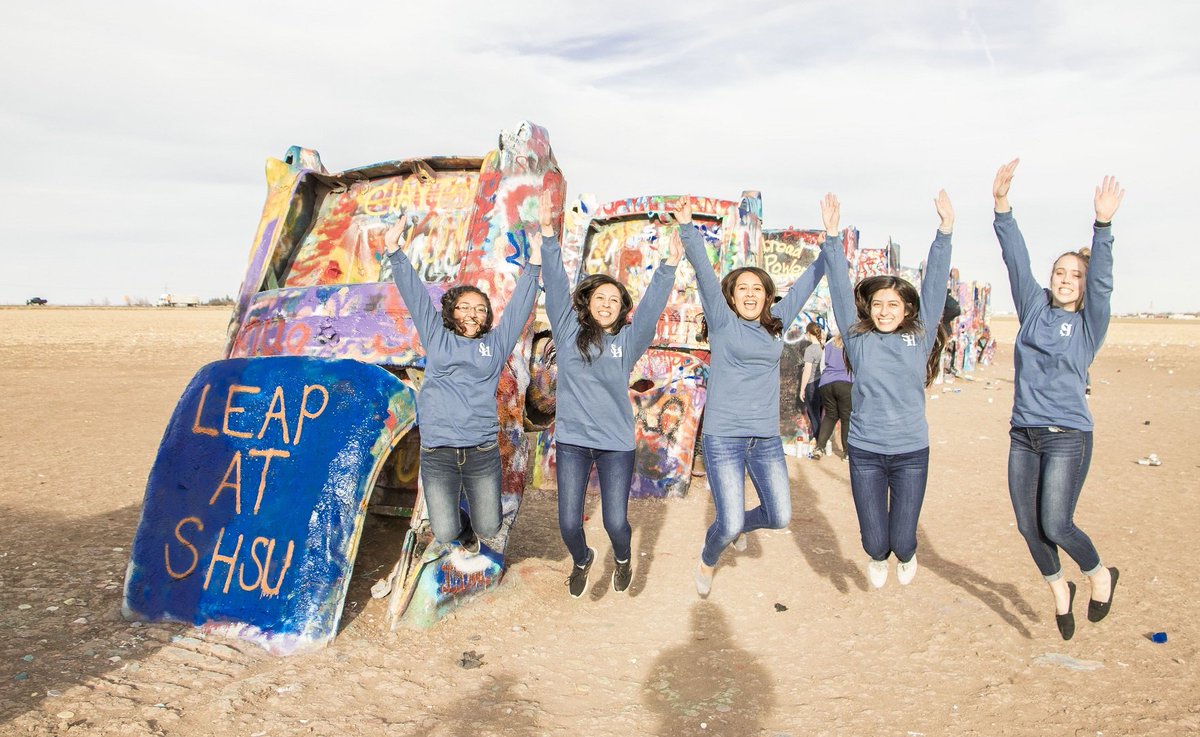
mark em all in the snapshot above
pixel 615 350
pixel 1064 330
pixel 910 340
pixel 485 350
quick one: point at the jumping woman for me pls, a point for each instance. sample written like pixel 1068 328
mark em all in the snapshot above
pixel 741 414
pixel 457 400
pixel 593 424
pixel 893 344
pixel 1061 330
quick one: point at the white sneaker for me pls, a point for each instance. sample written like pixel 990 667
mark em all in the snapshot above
pixel 877 572
pixel 703 581
pixel 739 543
pixel 905 572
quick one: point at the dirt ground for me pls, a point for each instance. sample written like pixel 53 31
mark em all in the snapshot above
pixel 791 641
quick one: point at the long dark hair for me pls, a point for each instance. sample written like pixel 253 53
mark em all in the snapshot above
pixel 766 318
pixel 590 333
pixel 911 324
pixel 450 299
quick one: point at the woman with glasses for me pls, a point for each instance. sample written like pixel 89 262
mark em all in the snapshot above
pixel 460 452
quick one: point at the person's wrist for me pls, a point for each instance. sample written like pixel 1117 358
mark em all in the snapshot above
pixel 1102 222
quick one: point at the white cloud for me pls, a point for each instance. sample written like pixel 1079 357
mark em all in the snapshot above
pixel 134 134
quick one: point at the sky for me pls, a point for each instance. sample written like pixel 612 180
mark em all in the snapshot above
pixel 133 135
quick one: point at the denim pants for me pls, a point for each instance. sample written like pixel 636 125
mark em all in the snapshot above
pixel 447 474
pixel 888 492
pixel 615 469
pixel 727 461
pixel 1046 470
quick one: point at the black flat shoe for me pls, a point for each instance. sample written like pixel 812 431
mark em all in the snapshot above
pixel 1098 610
pixel 1066 622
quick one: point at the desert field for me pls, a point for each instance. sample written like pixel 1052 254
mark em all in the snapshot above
pixel 792 640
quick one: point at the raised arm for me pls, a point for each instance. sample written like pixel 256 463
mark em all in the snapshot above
pixel 716 311
pixel 1097 299
pixel 800 291
pixel 1026 292
pixel 649 309
pixel 425 316
pixel 841 293
pixel 937 270
pixel 516 312
pixel 554 277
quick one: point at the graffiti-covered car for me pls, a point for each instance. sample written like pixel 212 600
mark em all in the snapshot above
pixel 255 504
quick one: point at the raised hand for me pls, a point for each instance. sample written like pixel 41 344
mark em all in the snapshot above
pixel 1108 199
pixel 945 211
pixel 1004 177
pixel 546 212
pixel 683 210
pixel 391 238
pixel 831 213
pixel 535 251
pixel 674 247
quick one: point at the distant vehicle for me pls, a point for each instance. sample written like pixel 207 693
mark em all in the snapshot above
pixel 175 300
pixel 36 301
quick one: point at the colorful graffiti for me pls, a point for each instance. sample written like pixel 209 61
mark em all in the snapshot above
pixel 787 253
pixel 317 286
pixel 668 400
pixel 255 503
pixel 624 239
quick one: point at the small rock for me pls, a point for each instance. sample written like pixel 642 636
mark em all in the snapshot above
pixel 65 714
pixel 52 609
pixel 780 607
pixel 471 659
pixel 54 693
pixel 27 658
pixel 25 606
pixel 81 620
pixel 22 676
pixel 115 659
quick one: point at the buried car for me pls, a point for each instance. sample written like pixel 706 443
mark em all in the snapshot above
pixel 256 501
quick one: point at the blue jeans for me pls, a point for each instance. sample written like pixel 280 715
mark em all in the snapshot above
pixel 573 467
pixel 447 474
pixel 727 460
pixel 1046 470
pixel 888 492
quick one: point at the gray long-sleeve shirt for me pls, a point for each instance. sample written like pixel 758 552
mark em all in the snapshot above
pixel 456 405
pixel 743 376
pixel 888 398
pixel 592 406
pixel 1055 346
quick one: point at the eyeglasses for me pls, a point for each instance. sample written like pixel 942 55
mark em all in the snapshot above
pixel 464 307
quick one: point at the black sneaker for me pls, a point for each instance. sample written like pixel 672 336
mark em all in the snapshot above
pixel 577 583
pixel 469 541
pixel 622 576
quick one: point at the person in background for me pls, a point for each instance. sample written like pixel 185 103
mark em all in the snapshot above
pixel 810 375
pixel 836 385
